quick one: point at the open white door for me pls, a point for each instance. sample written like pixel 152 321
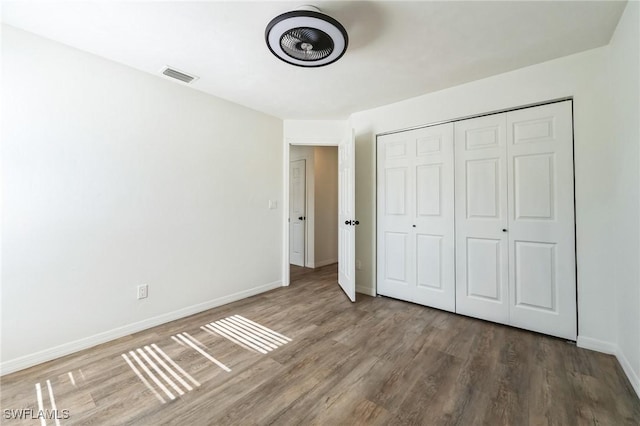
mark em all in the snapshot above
pixel 346 216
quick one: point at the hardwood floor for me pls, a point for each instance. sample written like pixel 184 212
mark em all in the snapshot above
pixel 377 361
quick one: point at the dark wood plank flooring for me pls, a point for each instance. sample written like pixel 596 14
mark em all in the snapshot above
pixel 374 362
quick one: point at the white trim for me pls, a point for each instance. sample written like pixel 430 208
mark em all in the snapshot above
pixel 30 360
pixel 310 210
pixel 597 345
pixel 468 117
pixel 325 262
pixel 286 279
pixel 313 141
pixel 628 370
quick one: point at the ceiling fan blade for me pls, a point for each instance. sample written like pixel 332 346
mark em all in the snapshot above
pixel 307 44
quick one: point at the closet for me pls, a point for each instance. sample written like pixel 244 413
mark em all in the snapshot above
pixel 477 217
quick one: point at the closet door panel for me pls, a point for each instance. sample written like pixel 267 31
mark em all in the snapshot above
pixel 429 258
pixel 541 220
pixel 434 217
pixel 484 281
pixel 395 261
pixel 395 210
pixel 482 187
pixel 428 190
pixel 422 209
pixel 481 218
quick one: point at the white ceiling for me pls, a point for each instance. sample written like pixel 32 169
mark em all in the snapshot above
pixel 397 50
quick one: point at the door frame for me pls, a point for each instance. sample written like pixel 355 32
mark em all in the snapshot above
pixel 286 279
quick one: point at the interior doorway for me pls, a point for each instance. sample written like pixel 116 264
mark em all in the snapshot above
pixel 313 208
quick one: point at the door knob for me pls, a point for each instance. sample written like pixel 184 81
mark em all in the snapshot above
pixel 302 218
pixel 504 230
pixel 347 222
pixel 356 222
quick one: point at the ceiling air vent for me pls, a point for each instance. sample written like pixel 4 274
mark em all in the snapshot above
pixel 178 75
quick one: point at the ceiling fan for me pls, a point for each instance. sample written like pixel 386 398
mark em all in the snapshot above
pixel 306 37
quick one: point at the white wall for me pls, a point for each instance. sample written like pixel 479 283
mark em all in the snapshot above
pixel 114 178
pixel 314 132
pixel 326 205
pixel 580 76
pixel 624 203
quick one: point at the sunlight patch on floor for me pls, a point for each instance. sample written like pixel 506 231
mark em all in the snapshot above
pixel 246 333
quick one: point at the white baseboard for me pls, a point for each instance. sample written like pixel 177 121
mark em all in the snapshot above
pixel 628 370
pixel 612 349
pixel 597 345
pixel 30 360
pixel 325 263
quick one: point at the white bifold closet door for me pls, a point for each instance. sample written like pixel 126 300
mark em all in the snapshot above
pixel 515 241
pixel 415 205
pixel 542 254
pixel 482 259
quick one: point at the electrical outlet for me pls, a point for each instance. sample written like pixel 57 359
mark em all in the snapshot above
pixel 143 291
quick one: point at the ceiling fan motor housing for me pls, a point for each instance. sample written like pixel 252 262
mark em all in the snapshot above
pixel 306 38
